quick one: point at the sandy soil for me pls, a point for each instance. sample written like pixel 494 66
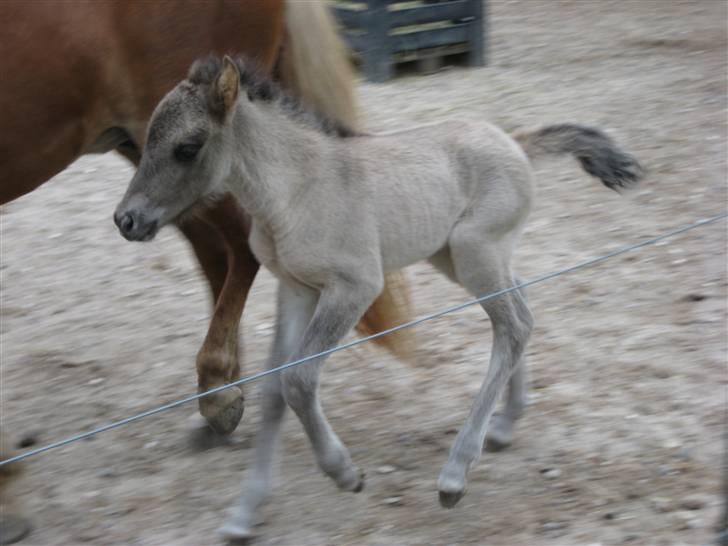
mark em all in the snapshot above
pixel 621 442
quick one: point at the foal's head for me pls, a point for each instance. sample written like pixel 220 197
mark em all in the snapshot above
pixel 183 159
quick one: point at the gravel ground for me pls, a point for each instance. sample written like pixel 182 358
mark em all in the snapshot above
pixel 621 441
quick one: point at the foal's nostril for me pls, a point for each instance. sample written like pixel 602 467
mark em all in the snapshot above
pixel 124 222
pixel 127 223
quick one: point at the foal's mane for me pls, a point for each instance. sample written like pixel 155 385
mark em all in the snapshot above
pixel 260 87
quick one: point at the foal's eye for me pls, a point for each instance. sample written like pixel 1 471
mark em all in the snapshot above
pixel 186 152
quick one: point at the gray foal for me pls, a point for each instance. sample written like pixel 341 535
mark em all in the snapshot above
pixel 333 212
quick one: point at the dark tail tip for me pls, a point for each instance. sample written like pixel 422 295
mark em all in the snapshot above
pixel 616 169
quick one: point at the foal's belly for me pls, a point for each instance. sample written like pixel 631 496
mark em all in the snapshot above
pixel 404 244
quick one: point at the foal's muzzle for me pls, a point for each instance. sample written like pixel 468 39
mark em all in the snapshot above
pixel 134 226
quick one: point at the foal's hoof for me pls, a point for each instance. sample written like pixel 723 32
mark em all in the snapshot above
pixel 451 487
pixel 223 410
pixel 13 529
pixel 448 499
pixel 235 532
pixel 496 443
pixel 359 487
pixel 500 434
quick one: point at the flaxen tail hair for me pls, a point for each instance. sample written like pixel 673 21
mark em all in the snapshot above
pixel 597 153
pixel 315 66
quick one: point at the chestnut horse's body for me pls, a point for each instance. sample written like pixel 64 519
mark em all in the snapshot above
pixel 84 77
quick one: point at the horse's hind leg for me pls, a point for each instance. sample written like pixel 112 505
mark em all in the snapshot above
pixel 220 242
pixel 481 263
pixel 500 429
pixel 502 424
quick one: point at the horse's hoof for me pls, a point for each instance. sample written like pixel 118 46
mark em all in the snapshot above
pixel 500 434
pixel 202 437
pixel 13 529
pixel 448 499
pixel 233 531
pixel 493 445
pixel 224 410
pixel 359 487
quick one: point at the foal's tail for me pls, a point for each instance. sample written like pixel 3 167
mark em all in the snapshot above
pixel 314 63
pixel 597 153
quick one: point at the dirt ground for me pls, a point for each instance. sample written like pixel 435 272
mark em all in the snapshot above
pixel 621 443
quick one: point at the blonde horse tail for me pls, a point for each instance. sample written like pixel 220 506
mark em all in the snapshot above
pixel 315 65
pixel 315 62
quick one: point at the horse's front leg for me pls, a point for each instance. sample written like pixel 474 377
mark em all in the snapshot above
pixel 219 237
pixel 341 304
pixel 295 308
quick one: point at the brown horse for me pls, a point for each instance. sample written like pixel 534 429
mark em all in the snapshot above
pixel 83 77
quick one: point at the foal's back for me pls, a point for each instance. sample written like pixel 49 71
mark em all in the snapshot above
pixel 418 182
pixel 459 155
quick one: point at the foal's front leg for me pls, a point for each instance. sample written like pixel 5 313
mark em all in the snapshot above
pixel 341 304
pixel 294 311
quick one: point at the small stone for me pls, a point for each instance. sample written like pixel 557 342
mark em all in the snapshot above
pixel 551 473
pixel 692 503
pixel 28 440
pixel 554 525
pixel 386 469
pixel 393 501
pixel 96 381
pixel 609 516
pixel 684 521
pixel 107 473
pixel 151 445
pixel 662 505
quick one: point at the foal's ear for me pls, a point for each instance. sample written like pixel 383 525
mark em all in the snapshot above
pixel 226 87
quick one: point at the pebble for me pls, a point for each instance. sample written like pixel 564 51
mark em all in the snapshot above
pixel 96 381
pixel 692 503
pixel 554 525
pixel 151 445
pixel 551 473
pixel 386 469
pixel 393 501
pixel 662 504
pixel 28 440
pixel 684 521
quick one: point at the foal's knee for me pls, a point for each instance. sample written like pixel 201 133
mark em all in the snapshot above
pixel 298 389
pixel 524 323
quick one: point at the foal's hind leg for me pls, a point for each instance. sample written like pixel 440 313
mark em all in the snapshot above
pixel 482 267
pixel 500 429
pixel 502 424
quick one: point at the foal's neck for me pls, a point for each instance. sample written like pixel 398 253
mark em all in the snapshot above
pixel 272 155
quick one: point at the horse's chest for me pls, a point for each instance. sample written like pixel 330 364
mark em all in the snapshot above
pixel 264 248
pixel 270 255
